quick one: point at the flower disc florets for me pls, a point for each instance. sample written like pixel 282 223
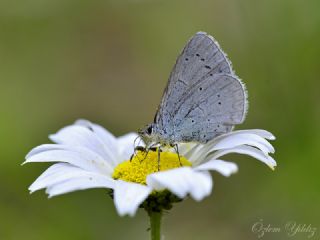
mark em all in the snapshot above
pixel 144 163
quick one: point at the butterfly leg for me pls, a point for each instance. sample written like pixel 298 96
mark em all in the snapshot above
pixel 177 151
pixel 151 148
pixel 137 148
pixel 159 150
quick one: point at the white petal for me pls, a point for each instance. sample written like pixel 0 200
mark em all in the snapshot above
pixel 182 181
pixel 251 151
pixel 186 148
pixel 197 154
pixel 128 196
pixel 77 156
pixel 62 178
pixel 254 137
pixel 235 140
pixel 260 132
pixel 80 136
pixel 107 138
pixel 126 144
pixel 223 167
pixel 47 147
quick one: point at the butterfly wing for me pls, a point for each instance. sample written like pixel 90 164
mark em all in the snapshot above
pixel 210 108
pixel 202 64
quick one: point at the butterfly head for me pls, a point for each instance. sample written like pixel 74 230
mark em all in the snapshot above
pixel 147 134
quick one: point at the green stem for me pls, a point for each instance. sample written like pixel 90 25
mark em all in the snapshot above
pixel 155 225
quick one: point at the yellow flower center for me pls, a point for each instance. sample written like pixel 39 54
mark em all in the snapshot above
pixel 142 164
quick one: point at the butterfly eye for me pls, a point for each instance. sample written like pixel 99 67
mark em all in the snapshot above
pixel 149 130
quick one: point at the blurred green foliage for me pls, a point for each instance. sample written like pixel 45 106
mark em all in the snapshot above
pixel 108 61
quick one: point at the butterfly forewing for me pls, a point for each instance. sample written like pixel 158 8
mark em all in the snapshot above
pixel 200 56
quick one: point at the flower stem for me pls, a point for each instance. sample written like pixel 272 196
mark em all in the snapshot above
pixel 155 224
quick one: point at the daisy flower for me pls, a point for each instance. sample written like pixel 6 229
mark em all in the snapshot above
pixel 88 156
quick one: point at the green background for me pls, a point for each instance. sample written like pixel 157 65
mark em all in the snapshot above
pixel 108 61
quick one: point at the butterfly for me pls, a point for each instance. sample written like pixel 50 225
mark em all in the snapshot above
pixel 203 97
